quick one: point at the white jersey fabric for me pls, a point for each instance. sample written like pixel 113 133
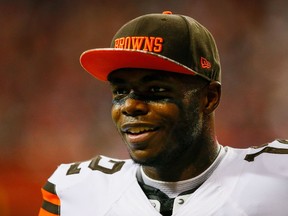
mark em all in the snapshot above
pixel 247 182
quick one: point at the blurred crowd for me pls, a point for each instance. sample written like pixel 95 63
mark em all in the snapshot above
pixel 52 111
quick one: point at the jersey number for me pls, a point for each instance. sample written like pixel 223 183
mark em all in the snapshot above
pixel 113 167
pixel 267 149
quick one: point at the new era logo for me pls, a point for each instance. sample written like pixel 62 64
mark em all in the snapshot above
pixel 205 63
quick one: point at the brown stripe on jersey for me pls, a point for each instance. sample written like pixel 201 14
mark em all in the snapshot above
pixel 50 187
pixel 43 212
pixel 283 141
pixel 50 207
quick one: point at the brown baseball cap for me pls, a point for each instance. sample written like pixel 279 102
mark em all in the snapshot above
pixel 167 42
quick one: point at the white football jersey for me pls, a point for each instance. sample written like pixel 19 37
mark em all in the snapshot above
pixel 247 182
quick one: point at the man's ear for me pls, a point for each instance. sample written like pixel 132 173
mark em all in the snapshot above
pixel 212 97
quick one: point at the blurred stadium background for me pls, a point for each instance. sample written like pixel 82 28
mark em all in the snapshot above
pixel 51 111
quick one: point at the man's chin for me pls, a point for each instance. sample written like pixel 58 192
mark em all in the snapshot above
pixel 155 161
pixel 144 161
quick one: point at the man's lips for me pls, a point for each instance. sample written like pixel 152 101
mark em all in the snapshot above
pixel 138 133
pixel 137 128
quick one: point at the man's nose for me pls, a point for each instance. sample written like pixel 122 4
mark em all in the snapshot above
pixel 134 106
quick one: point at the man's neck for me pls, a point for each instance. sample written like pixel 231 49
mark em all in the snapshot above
pixel 173 189
pixel 185 168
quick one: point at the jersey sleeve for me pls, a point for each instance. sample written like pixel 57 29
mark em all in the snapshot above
pixel 89 187
pixel 51 202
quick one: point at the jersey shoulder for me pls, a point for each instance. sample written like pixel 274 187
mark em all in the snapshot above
pixel 276 148
pixel 100 167
pixel 88 187
pixel 269 159
pixel 259 173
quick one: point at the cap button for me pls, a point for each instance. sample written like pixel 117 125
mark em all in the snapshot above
pixel 166 12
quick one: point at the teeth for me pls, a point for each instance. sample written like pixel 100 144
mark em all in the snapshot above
pixel 139 130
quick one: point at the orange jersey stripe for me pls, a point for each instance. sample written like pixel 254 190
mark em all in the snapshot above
pixel 43 212
pixel 52 198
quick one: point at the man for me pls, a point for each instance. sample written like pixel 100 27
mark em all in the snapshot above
pixel 164 73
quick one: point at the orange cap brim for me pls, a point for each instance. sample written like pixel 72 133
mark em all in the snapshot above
pixel 101 62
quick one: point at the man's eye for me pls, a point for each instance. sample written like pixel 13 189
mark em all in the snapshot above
pixel 156 89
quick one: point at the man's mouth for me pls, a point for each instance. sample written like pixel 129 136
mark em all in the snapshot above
pixel 138 133
pixel 139 130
